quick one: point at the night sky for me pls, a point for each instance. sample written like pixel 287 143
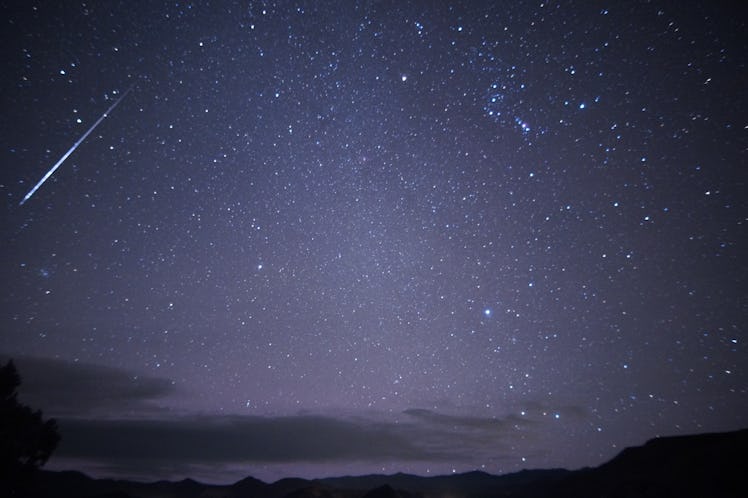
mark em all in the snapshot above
pixel 325 238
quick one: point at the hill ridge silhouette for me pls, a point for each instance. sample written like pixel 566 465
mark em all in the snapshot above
pixel 696 465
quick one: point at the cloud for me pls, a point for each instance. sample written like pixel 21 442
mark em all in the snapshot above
pixel 64 388
pixel 462 422
pixel 111 423
pixel 159 448
pixel 179 446
pixel 238 438
pixel 136 446
pixel 476 437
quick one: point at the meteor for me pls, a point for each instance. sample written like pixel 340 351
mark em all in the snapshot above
pixel 75 146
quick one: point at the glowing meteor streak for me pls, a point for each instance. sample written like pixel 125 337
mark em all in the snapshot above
pixel 75 146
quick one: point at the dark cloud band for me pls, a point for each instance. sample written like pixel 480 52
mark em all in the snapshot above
pixel 225 438
pixel 64 388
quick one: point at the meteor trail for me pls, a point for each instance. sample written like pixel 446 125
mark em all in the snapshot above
pixel 75 146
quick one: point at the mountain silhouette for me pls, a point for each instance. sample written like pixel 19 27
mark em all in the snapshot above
pixel 387 491
pixel 683 466
pixel 703 465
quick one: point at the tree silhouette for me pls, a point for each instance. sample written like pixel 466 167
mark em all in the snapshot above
pixel 26 440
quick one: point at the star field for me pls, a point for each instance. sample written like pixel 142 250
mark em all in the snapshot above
pixel 522 224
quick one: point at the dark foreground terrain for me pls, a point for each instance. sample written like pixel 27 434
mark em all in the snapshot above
pixel 708 465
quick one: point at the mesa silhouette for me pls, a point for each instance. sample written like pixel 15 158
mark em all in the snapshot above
pixel 683 466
